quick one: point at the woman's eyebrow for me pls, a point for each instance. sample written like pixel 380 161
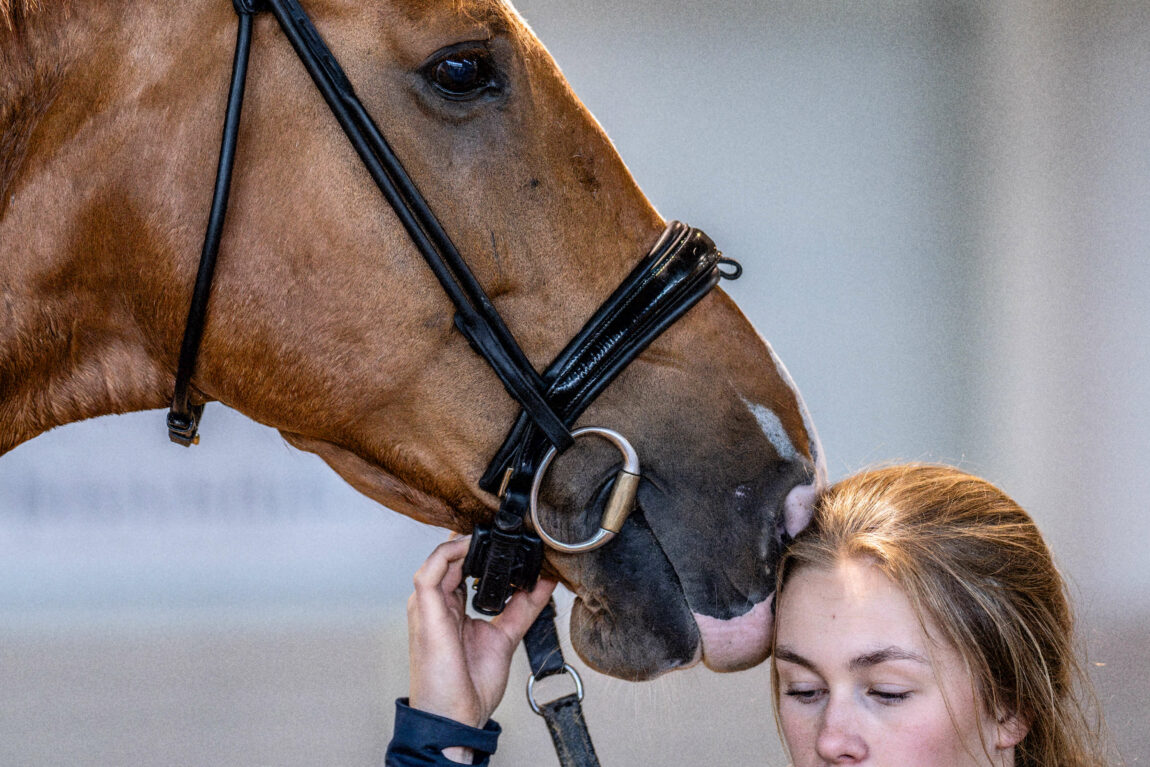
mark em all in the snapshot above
pixel 884 655
pixel 784 653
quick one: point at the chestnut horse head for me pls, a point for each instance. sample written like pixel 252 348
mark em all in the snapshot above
pixel 324 322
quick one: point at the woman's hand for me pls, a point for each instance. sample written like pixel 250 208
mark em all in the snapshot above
pixel 459 665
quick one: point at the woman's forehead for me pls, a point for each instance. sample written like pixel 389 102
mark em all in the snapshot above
pixel 850 614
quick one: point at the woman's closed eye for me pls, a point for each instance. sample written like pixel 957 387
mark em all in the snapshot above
pixel 805 694
pixel 889 696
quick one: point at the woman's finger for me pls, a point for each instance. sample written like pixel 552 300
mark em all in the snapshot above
pixel 523 609
pixel 435 568
pixel 433 599
pixel 453 579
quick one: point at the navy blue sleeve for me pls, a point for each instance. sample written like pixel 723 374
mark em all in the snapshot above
pixel 419 739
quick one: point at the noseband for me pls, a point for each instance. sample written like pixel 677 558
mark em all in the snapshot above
pixel 680 269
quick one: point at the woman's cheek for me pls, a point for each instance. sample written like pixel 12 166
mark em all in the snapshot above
pixel 800 729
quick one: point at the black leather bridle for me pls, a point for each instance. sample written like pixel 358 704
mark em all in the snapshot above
pixel 680 269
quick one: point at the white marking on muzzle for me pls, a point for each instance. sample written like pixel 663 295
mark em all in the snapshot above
pixel 799 508
pixel 773 430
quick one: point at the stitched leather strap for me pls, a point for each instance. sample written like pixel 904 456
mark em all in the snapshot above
pixel 681 269
pixel 564 716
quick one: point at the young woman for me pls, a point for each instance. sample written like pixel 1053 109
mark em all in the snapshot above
pixel 919 621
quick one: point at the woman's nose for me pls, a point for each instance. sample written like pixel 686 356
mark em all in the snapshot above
pixel 840 740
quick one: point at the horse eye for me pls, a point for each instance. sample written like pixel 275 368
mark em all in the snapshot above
pixel 462 75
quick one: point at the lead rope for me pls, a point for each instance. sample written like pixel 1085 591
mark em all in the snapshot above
pixel 564 716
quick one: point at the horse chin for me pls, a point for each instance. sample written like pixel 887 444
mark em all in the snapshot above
pixel 630 618
pixel 643 627
pixel 616 644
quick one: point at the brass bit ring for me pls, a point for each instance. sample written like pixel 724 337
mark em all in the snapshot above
pixel 619 505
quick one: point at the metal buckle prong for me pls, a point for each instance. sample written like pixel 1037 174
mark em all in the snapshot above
pixel 507 475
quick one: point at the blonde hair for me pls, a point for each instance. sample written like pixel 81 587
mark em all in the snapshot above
pixel 974 566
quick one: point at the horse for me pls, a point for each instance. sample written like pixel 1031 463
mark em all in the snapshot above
pixel 324 323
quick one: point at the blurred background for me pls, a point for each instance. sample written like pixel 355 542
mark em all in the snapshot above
pixel 943 211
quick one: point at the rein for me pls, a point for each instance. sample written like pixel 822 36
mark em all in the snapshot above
pixel 680 270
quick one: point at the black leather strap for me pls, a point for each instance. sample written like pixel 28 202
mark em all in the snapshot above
pixel 502 557
pixel 184 417
pixel 681 269
pixel 564 716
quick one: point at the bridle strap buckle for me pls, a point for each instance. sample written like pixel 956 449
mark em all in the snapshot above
pixel 183 427
pixel 567 669
pixel 503 557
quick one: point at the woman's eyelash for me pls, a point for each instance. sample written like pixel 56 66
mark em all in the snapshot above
pixel 804 696
pixel 885 697
pixel 890 697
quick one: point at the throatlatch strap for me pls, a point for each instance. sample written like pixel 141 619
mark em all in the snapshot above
pixel 564 716
pixel 183 416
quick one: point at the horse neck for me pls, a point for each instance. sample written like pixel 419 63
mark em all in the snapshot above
pixel 81 328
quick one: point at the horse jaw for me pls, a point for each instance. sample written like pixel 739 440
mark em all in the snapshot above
pixel 380 485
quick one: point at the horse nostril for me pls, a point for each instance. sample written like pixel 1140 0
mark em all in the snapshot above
pixel 799 507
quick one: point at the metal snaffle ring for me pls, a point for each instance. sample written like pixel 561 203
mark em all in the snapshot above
pixel 619 505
